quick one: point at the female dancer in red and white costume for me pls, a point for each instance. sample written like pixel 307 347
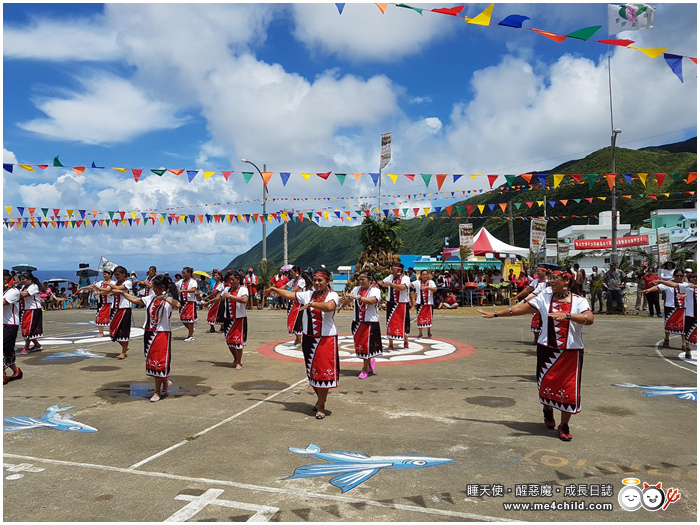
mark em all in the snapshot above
pixel 300 282
pixel 157 336
pixel 398 320
pixel 559 348
pixel 320 339
pixel 32 320
pixel 11 320
pixel 187 286
pixel 365 322
pixel 690 300
pixel 104 302
pixel 235 299
pixel 120 322
pixel 216 310
pixel 424 288
pixel 674 306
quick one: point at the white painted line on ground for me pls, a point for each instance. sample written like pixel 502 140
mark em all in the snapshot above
pixel 231 418
pixel 198 503
pixel 656 348
pixel 288 492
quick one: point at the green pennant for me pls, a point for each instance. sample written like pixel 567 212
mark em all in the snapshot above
pixel 341 177
pixel 517 205
pixel 510 179
pixel 459 210
pixel 247 175
pixel 585 33
pixel 111 215
pixel 577 201
pixel 416 9
pixel 676 177
pixel 311 215
pixel 57 163
pixel 45 211
pixel 592 177
pixel 426 178
pixel 159 172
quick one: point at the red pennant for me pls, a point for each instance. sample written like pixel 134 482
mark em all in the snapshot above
pixel 470 208
pixel 529 204
pixel 42 166
pixel 652 196
pixel 411 176
pixel 448 209
pixel 492 179
pixel 590 199
pixel 226 174
pixel 576 177
pixel 660 177
pixel 324 176
pixel 137 174
pixel 454 11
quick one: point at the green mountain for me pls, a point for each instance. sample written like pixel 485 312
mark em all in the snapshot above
pixel 311 245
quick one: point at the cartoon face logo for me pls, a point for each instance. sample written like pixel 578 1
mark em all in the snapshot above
pixel 653 497
pixel 630 498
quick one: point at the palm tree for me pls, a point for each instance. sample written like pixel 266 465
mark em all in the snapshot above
pixel 380 235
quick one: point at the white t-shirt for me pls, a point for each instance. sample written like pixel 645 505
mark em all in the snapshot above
pixel 419 294
pixel 119 300
pixel 403 295
pixel 670 295
pixel 323 320
pixel 666 275
pixel 10 311
pixel 109 299
pixel 300 282
pixel 572 330
pixel 691 296
pixel 496 278
pixel 234 309
pixel 371 313
pixel 33 300
pixel 190 284
pixel 157 317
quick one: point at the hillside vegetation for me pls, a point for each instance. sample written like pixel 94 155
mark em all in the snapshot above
pixel 311 245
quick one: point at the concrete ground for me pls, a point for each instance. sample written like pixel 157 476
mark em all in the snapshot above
pixel 218 448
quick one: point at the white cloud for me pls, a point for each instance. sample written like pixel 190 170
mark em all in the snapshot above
pixel 363 33
pixel 109 110
pixel 82 39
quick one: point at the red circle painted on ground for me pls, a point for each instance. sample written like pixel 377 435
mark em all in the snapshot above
pixel 400 356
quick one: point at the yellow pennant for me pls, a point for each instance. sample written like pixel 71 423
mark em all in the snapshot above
pixel 305 175
pixel 475 175
pixel 482 19
pixel 557 179
pixel 9 209
pixel 27 167
pixel 123 170
pixel 643 178
pixel 208 174
pixel 651 52
pixel 481 207
pixel 393 176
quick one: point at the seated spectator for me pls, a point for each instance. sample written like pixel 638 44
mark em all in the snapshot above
pixel 448 301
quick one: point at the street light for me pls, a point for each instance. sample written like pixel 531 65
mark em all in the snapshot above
pixel 613 255
pixel 264 219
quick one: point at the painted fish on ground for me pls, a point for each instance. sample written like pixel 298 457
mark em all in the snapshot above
pixel 690 392
pixel 80 352
pixel 52 419
pixel 354 467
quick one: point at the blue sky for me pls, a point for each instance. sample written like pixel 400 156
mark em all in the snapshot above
pixel 301 88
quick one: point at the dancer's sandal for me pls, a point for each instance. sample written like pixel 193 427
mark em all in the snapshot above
pixel 155 398
pixel 320 415
pixel 564 432
pixel 549 417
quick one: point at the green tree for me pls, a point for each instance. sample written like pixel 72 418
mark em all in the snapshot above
pixel 380 235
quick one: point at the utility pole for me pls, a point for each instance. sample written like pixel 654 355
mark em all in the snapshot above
pixel 510 223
